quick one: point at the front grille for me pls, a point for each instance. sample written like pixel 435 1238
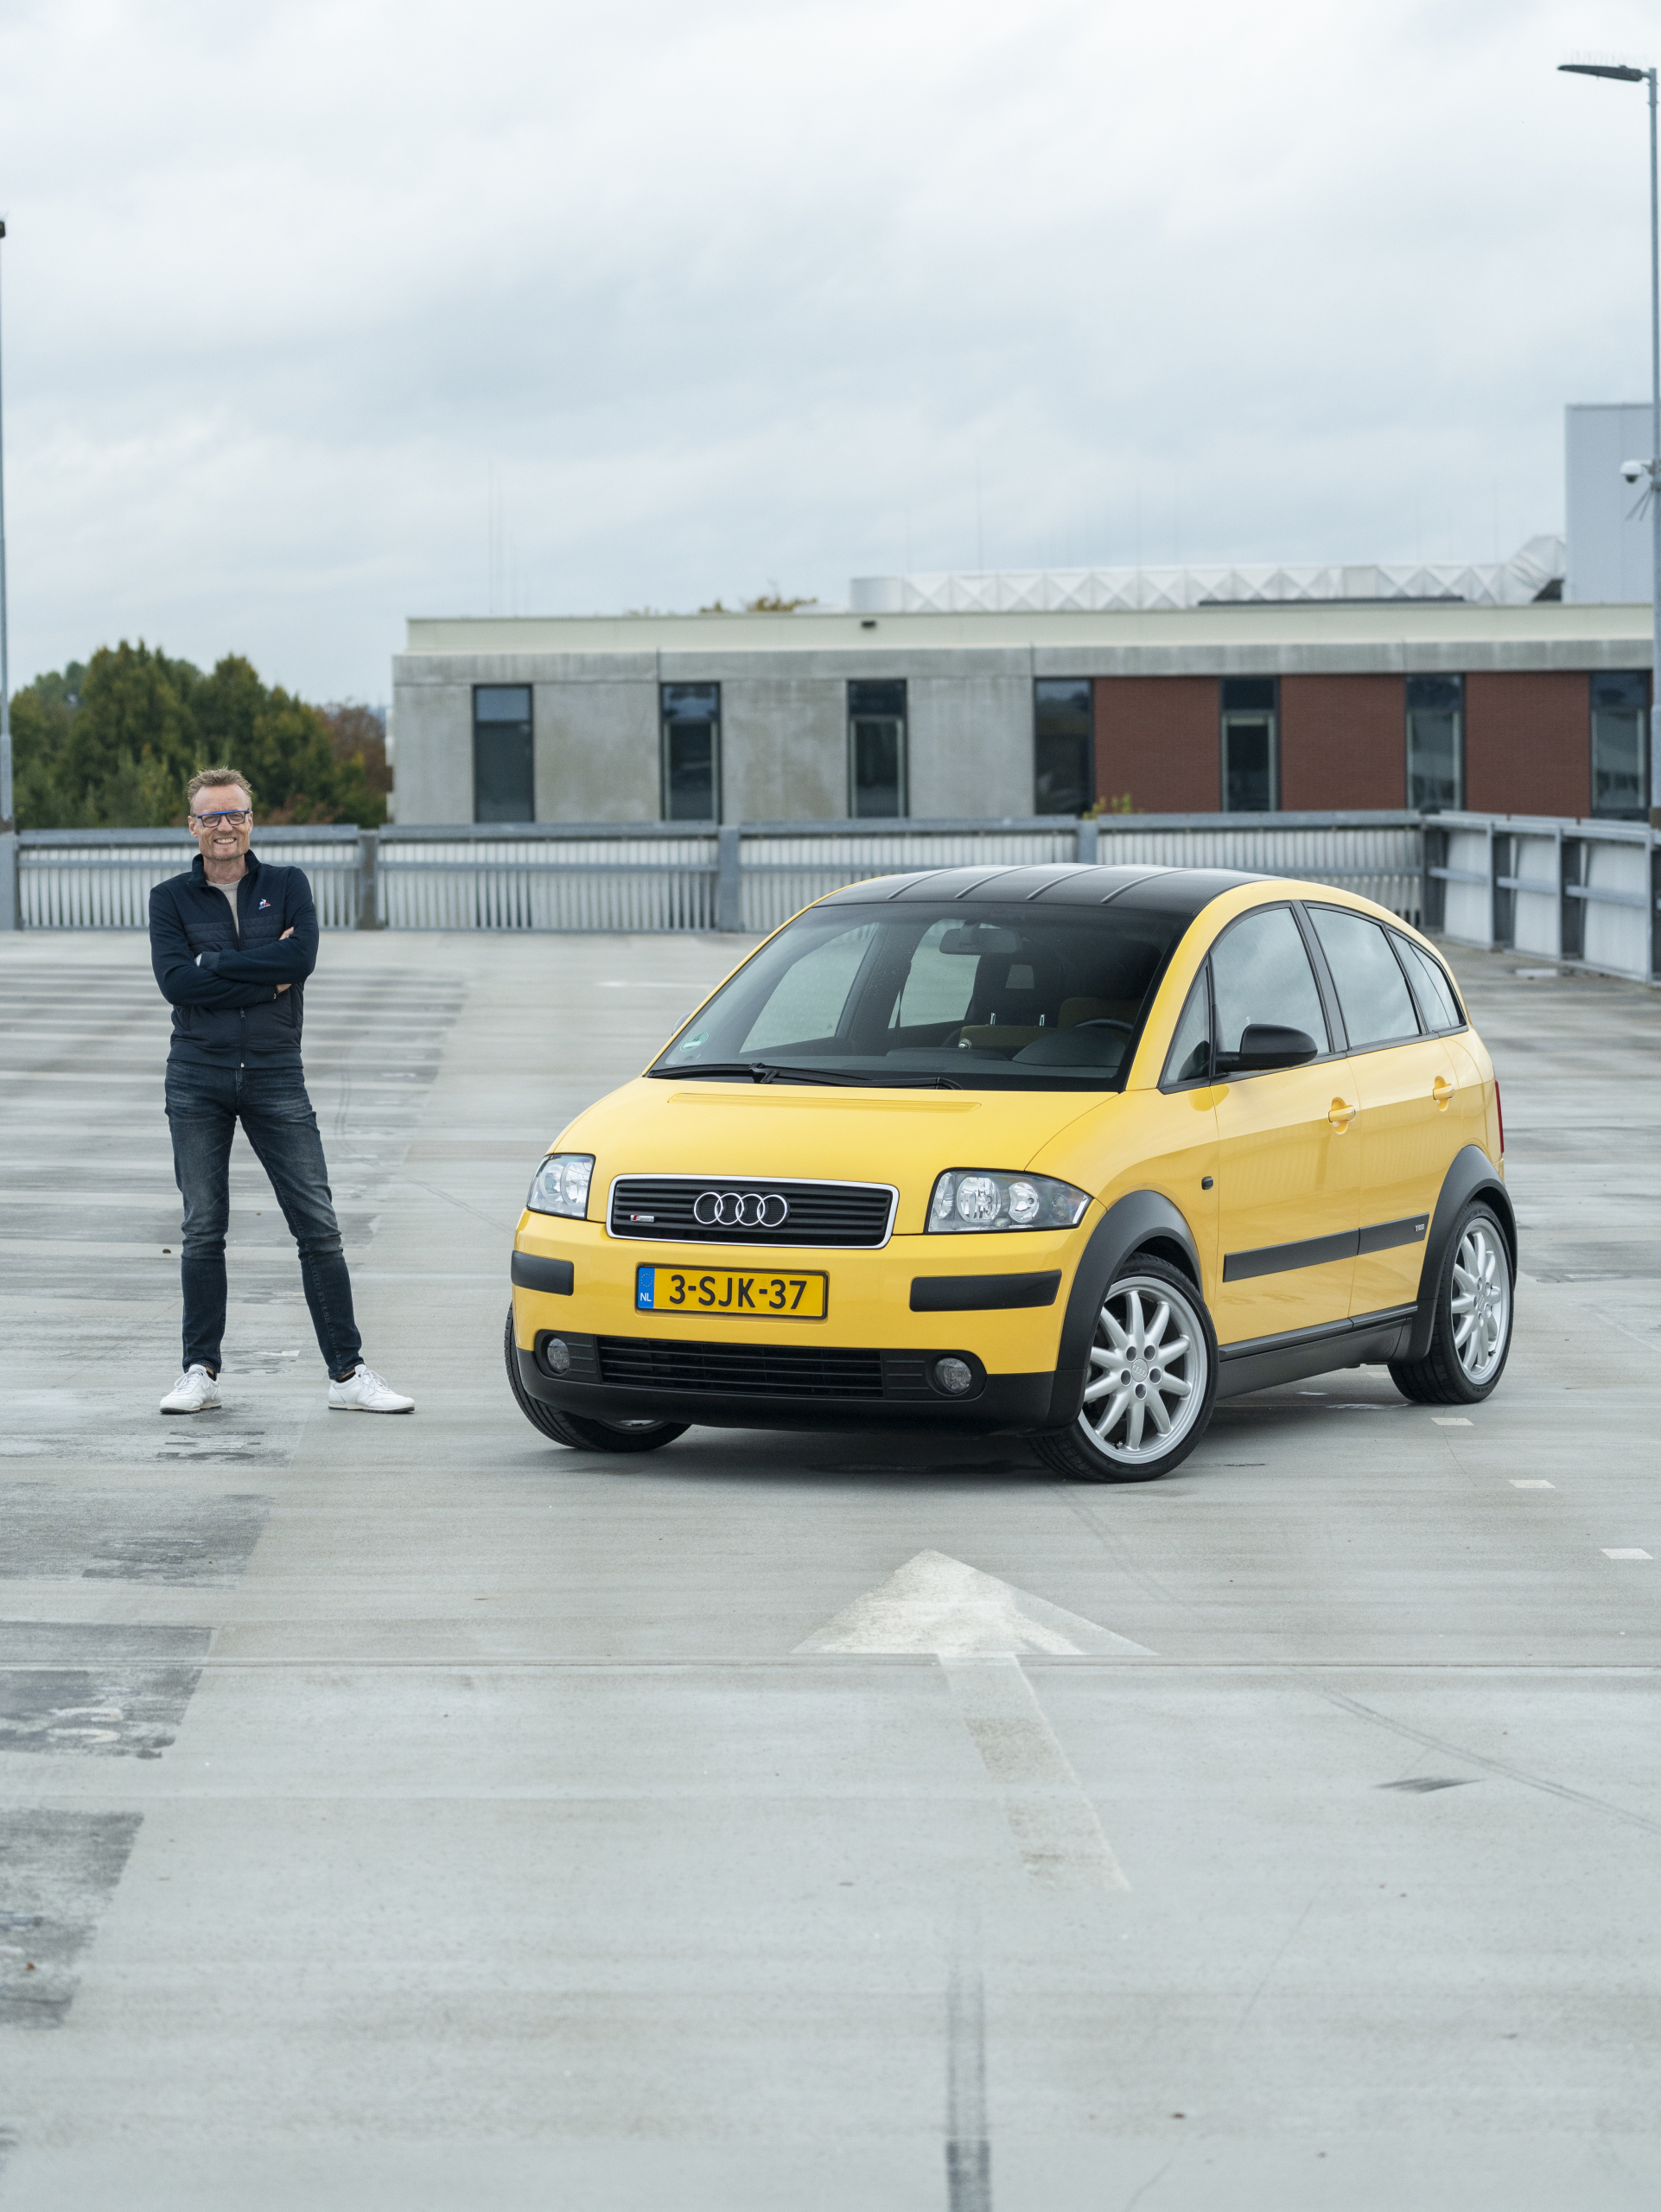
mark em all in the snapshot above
pixel 660 1207
pixel 767 1370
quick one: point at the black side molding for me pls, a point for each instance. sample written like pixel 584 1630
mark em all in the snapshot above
pixel 530 1272
pixel 982 1293
pixel 1472 1175
pixel 1280 1259
pixel 1316 1251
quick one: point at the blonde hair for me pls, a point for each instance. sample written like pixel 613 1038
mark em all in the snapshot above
pixel 207 778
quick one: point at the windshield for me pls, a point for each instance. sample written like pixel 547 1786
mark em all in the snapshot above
pixel 1006 998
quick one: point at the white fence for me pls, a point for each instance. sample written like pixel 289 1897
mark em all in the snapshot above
pixel 1581 892
pixel 1578 893
pixel 101 879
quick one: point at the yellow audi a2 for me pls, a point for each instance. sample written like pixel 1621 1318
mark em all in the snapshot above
pixel 1065 1152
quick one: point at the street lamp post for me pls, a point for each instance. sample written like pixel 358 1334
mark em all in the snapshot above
pixel 1625 75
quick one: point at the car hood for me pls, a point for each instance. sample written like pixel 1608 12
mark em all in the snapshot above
pixel 903 1137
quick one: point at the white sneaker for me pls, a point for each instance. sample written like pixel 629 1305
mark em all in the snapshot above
pixel 364 1392
pixel 195 1392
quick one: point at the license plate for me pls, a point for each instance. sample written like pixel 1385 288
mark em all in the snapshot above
pixel 723 1294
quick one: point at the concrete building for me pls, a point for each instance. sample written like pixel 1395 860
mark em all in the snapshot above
pixel 1191 691
pixel 1539 709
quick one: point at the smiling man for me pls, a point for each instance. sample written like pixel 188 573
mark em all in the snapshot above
pixel 232 943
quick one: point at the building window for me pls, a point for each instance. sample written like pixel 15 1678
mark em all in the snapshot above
pixel 876 748
pixel 1435 743
pixel 1252 766
pixel 691 753
pixel 1620 776
pixel 504 754
pixel 1064 746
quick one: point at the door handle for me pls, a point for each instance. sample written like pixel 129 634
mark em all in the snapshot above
pixel 1442 1091
pixel 1341 1115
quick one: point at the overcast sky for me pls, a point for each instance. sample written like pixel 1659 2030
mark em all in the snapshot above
pixel 321 315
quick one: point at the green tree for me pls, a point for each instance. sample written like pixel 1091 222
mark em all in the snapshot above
pixel 112 744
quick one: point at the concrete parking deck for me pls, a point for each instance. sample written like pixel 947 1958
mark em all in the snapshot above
pixel 403 1815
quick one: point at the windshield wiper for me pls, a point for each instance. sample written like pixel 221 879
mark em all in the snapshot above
pixel 770 1071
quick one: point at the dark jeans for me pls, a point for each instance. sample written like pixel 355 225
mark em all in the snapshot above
pixel 204 1106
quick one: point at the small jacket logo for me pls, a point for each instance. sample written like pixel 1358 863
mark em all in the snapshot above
pixel 263 904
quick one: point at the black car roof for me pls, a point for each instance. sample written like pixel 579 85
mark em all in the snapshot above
pixel 1145 889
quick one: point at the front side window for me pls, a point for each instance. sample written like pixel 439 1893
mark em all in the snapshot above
pixel 877 749
pixel 1018 998
pixel 1620 779
pixel 1189 1058
pixel 1064 746
pixel 1435 743
pixel 1261 976
pixel 504 754
pixel 1250 744
pixel 1372 993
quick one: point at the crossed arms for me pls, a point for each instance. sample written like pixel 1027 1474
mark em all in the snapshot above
pixel 233 978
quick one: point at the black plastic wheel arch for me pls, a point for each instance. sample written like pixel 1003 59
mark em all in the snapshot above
pixel 1142 1221
pixel 1472 1175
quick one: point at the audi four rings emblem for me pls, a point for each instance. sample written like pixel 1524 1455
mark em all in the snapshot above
pixel 739 1209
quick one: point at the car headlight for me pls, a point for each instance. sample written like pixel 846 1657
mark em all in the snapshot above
pixel 971 1200
pixel 561 1184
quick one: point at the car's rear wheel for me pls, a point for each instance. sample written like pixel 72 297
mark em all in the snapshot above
pixel 1153 1378
pixel 1470 1332
pixel 575 1429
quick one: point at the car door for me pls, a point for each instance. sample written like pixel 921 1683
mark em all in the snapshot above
pixel 1287 1164
pixel 1410 1087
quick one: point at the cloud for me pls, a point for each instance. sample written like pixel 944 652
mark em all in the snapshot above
pixel 694 296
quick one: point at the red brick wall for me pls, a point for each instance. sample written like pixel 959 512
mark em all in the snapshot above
pixel 1343 741
pixel 1528 743
pixel 1159 738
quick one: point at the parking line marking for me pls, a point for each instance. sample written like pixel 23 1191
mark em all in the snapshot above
pixel 1532 1482
pixel 1627 1551
pixel 1452 1421
pixel 1053 1823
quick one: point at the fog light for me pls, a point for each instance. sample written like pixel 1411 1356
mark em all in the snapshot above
pixel 557 1353
pixel 954 1376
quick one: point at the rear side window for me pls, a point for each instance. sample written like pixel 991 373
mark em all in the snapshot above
pixel 1372 991
pixel 1261 973
pixel 1436 1001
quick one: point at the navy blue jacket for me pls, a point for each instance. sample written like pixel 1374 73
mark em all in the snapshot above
pixel 226 1008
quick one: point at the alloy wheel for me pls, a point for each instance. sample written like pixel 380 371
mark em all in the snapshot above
pixel 1480 1300
pixel 1148 1378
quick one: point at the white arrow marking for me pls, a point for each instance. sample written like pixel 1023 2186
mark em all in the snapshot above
pixel 977 1627
pixel 936 1604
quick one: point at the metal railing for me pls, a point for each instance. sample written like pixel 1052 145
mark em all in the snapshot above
pixel 1580 894
pixel 102 879
pixel 1574 892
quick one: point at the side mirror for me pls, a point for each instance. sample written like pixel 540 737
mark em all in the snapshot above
pixel 1265 1045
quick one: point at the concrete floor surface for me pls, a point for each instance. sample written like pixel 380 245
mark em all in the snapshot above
pixel 415 1814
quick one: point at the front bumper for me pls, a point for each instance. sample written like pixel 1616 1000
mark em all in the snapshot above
pixel 868 1365
pixel 904 1399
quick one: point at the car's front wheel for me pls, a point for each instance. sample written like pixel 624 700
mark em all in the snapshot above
pixel 1153 1378
pixel 1470 1329
pixel 574 1429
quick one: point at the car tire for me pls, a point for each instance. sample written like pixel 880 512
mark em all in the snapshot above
pixel 1150 1308
pixel 1471 1331
pixel 582 1434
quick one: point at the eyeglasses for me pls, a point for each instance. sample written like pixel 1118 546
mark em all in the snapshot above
pixel 232 816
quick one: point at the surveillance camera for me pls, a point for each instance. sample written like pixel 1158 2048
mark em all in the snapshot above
pixel 1634 471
